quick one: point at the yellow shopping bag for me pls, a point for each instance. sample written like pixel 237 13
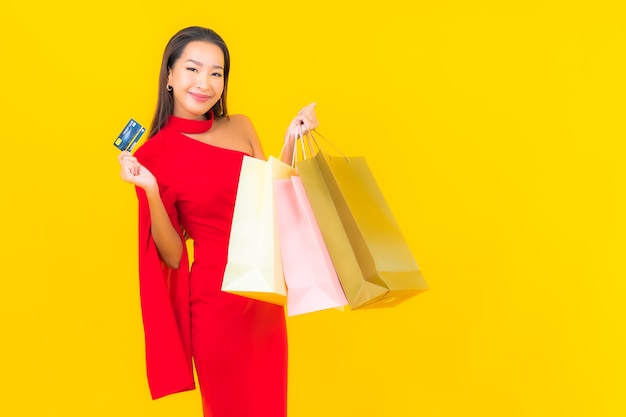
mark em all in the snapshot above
pixel 371 256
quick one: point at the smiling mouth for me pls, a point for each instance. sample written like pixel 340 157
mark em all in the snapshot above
pixel 199 97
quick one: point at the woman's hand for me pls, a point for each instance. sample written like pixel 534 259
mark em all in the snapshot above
pixel 305 121
pixel 135 173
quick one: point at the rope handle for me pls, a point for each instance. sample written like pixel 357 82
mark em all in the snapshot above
pixel 312 143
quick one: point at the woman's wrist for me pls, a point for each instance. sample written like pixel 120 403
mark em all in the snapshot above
pixel 290 138
pixel 152 191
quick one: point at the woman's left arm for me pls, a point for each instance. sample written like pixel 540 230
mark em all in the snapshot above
pixel 305 120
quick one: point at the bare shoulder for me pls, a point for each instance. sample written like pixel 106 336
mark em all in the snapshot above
pixel 240 121
pixel 241 125
pixel 237 132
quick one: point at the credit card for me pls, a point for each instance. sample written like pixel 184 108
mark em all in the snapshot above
pixel 129 136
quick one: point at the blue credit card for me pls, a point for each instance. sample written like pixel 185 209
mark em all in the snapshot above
pixel 129 136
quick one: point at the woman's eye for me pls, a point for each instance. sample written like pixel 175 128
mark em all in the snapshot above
pixel 191 69
pixel 216 74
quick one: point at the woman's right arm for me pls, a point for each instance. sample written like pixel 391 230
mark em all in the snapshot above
pixel 165 236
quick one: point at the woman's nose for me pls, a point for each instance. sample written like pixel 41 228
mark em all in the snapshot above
pixel 202 82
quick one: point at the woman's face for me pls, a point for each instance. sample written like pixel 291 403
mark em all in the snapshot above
pixel 197 79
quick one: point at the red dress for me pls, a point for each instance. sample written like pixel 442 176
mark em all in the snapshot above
pixel 238 345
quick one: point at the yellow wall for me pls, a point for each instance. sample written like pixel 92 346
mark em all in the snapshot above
pixel 495 130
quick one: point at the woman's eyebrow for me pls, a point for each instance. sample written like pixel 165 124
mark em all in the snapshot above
pixel 200 64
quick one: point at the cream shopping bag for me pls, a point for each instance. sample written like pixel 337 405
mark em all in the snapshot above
pixel 254 267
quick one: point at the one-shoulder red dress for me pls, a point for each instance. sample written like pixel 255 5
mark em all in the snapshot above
pixel 238 345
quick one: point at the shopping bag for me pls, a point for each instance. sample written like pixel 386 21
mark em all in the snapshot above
pixel 312 283
pixel 372 259
pixel 254 265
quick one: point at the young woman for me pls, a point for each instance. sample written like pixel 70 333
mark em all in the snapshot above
pixel 186 177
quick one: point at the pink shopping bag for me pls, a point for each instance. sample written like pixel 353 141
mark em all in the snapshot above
pixel 312 283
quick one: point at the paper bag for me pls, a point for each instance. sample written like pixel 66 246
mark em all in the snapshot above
pixel 369 252
pixel 312 283
pixel 254 266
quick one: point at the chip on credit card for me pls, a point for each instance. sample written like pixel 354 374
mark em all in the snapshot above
pixel 129 136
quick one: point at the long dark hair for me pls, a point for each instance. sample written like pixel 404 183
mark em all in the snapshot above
pixel 173 51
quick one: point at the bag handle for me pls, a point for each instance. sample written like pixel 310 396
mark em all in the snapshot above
pixel 310 138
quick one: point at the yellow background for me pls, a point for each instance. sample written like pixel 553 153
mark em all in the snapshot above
pixel 495 130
